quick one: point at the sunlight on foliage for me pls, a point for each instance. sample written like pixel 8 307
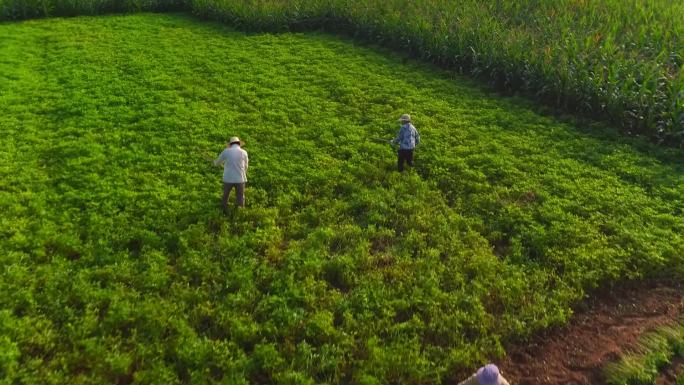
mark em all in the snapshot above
pixel 621 61
pixel 119 267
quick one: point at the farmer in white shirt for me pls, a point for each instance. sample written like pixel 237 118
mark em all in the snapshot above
pixel 235 163
pixel 486 375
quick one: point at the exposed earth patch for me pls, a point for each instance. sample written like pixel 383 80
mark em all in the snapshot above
pixel 604 328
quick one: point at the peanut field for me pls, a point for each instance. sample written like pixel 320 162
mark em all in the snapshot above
pixel 117 265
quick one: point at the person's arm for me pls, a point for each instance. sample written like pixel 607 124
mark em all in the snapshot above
pixel 417 136
pixel 502 380
pixel 399 136
pixel 221 158
pixel 246 161
pixel 472 380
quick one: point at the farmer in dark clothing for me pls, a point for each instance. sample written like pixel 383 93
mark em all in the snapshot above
pixel 408 138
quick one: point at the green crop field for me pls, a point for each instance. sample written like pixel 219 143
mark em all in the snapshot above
pixel 620 61
pixel 118 266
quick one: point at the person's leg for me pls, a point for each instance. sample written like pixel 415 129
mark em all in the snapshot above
pixel 226 192
pixel 240 194
pixel 409 157
pixel 400 160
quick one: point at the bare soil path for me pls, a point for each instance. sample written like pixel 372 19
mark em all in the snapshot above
pixel 602 329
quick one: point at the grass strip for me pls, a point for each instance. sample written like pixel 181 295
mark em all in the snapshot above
pixel 654 351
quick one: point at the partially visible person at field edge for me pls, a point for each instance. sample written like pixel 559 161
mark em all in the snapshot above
pixel 235 163
pixel 486 375
pixel 407 138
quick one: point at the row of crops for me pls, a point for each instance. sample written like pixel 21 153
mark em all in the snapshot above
pixel 615 60
pixel 27 9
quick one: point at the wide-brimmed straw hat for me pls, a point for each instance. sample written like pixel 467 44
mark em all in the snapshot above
pixel 235 139
pixel 488 375
pixel 405 118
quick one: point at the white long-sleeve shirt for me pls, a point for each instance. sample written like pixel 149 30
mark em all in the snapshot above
pixel 472 380
pixel 235 163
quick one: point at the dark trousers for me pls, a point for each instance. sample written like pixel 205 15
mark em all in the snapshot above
pixel 239 191
pixel 404 156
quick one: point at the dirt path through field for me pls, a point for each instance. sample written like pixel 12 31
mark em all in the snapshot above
pixel 601 330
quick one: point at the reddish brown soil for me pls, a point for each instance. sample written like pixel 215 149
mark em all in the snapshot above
pixel 601 330
pixel 669 376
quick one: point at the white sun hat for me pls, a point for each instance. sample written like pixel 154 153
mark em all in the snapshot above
pixel 235 139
